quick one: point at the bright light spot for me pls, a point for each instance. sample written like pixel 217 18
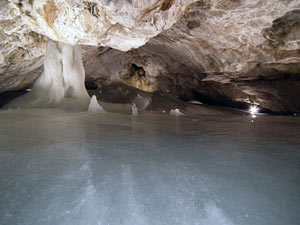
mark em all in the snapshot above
pixel 253 109
pixel 253 116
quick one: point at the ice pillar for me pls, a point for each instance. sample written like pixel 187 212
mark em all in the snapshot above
pixel 62 82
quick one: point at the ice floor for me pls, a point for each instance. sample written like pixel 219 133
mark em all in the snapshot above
pixel 60 168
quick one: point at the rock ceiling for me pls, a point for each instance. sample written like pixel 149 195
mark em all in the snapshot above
pixel 229 52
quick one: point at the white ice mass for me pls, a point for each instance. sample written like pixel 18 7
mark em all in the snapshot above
pixel 94 106
pixel 134 110
pixel 176 112
pixel 62 82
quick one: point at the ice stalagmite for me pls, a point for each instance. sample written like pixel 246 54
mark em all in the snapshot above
pixel 134 110
pixel 62 82
pixel 94 106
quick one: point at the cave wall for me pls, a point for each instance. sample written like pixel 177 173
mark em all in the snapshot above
pixel 234 53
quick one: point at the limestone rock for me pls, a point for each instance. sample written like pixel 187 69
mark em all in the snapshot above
pixel 27 25
pixel 230 45
pixel 118 24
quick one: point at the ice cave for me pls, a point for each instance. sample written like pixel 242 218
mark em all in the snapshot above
pixel 150 112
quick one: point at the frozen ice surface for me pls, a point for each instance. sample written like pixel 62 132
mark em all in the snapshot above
pixel 89 169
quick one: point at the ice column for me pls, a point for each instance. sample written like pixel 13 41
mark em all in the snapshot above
pixel 62 82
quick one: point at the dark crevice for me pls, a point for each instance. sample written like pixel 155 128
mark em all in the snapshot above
pixel 136 70
pixel 6 97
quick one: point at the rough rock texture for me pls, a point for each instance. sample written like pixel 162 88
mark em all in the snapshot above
pixel 119 24
pixel 118 97
pixel 224 52
pixel 227 52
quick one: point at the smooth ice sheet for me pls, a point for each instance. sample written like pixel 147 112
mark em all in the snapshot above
pixel 82 168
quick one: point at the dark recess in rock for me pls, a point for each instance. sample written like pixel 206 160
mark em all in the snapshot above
pixel 136 70
pixel 6 97
pixel 166 5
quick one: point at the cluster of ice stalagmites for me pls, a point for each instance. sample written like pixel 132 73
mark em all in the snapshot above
pixel 62 82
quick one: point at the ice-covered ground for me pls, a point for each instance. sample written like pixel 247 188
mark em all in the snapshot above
pixel 108 169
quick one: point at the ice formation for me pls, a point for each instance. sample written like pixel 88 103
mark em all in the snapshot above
pixel 134 110
pixel 195 102
pixel 62 82
pixel 94 106
pixel 176 112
